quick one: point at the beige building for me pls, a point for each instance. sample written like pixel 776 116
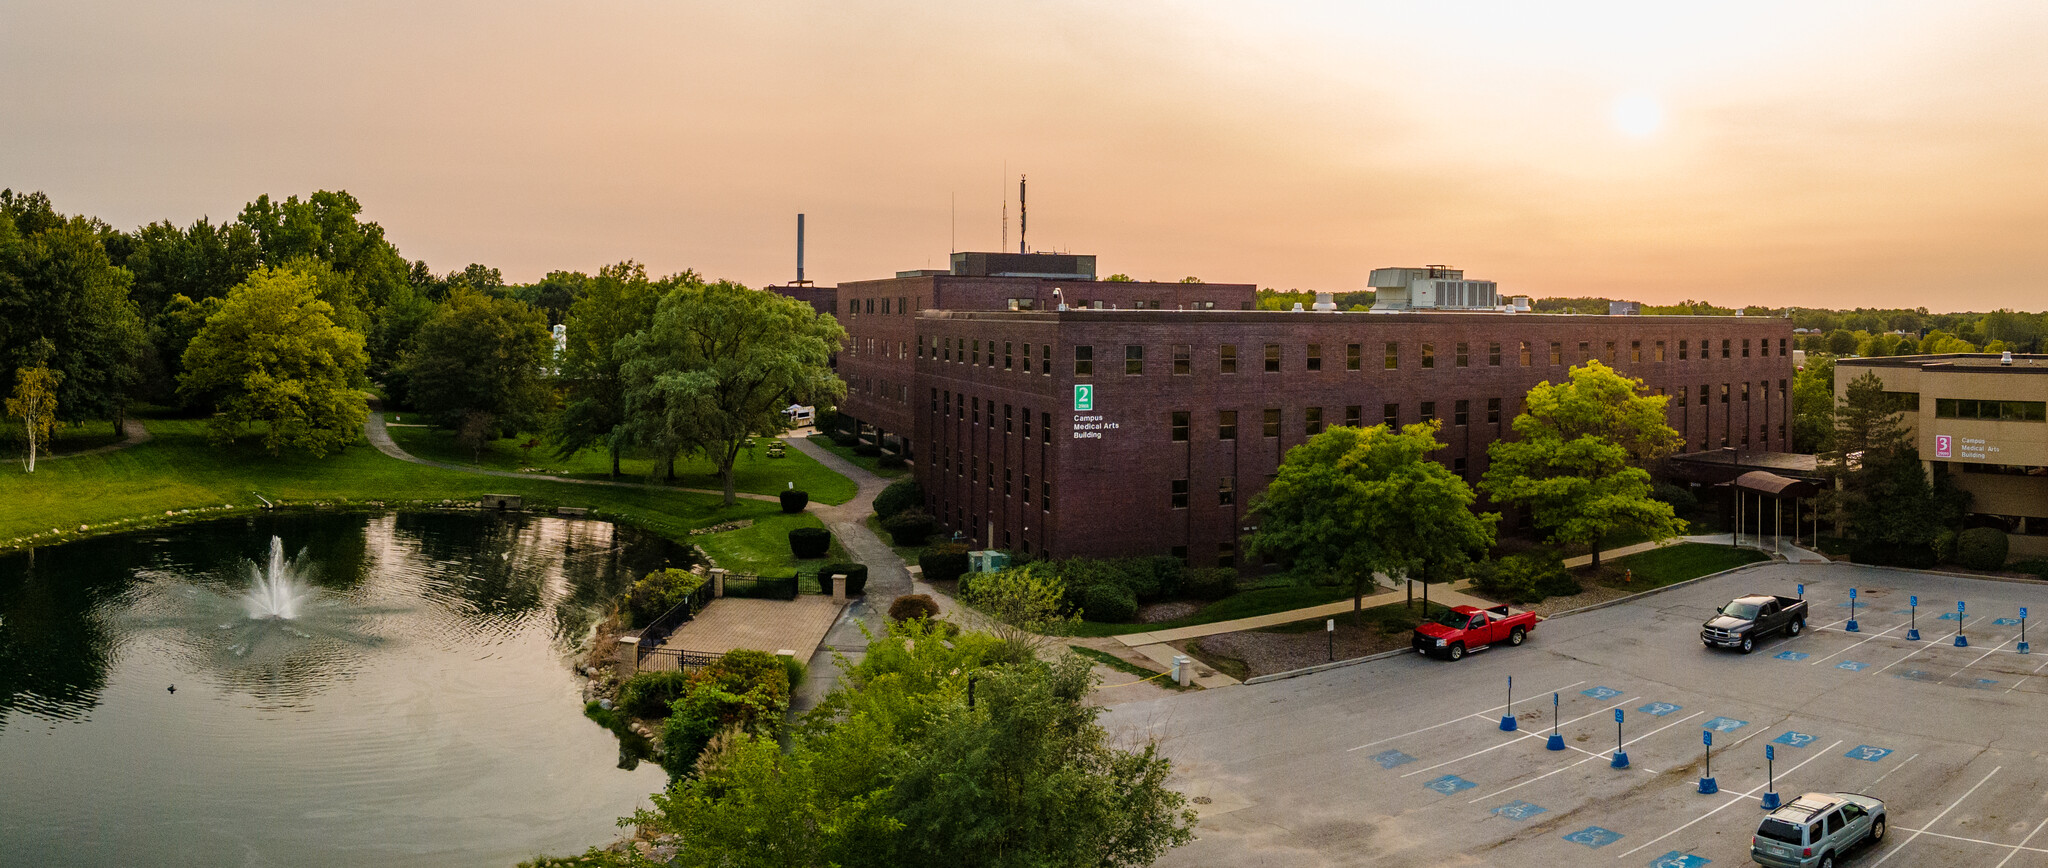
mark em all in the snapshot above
pixel 1984 419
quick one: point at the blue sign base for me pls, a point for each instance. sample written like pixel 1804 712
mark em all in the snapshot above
pixel 1556 742
pixel 1913 634
pixel 1507 723
pixel 1962 641
pixel 1770 801
pixel 1620 760
pixel 1850 627
pixel 2023 647
pixel 1708 787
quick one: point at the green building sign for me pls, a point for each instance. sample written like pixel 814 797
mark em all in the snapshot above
pixel 1084 396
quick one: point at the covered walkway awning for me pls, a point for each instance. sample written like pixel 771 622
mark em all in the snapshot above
pixel 1769 484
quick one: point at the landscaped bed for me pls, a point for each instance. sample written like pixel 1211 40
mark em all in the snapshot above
pixel 1299 644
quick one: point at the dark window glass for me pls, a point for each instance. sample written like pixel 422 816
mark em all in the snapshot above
pixel 1429 355
pixel 1084 361
pixel 1635 352
pixel 1315 357
pixel 1134 359
pixel 1226 425
pixel 1461 412
pixel 1272 423
pixel 1354 415
pixel 1180 359
pixel 1007 358
pixel 1272 358
pixel 1428 410
pixel 1226 356
pixel 1226 554
pixel 1493 410
pixel 1312 421
pixel 1393 355
pixel 1557 352
pixel 1226 491
pixel 1180 494
pixel 1462 357
pixel 1009 424
pixel 1392 416
pixel 1351 354
pixel 1745 348
pixel 1724 347
pixel 1493 354
pixel 1179 426
pixel 1681 351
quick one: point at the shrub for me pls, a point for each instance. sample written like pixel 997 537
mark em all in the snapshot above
pixel 1680 497
pixel 910 527
pixel 855 576
pixel 892 461
pixel 1893 554
pixel 1982 548
pixel 912 606
pixel 841 438
pixel 648 694
pixel 1527 577
pixel 794 500
pixel 795 670
pixel 856 580
pixel 657 592
pixel 1211 583
pixel 1108 603
pixel 867 450
pixel 1153 578
pixel 898 497
pixel 807 543
pixel 2036 566
pixel 744 690
pixel 832 422
pixel 944 562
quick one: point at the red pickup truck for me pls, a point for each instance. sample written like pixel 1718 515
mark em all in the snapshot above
pixel 1466 628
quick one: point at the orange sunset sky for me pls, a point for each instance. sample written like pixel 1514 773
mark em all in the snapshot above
pixel 1826 154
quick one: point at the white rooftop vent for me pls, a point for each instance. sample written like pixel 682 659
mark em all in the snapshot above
pixel 1297 307
pixel 1324 302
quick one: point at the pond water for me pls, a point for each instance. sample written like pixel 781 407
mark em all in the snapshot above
pixel 417 707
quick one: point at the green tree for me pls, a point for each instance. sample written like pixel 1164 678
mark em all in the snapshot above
pixel 1575 461
pixel 1026 604
pixel 58 284
pixel 1119 278
pixel 326 226
pixel 35 404
pixel 1813 404
pixel 719 365
pixel 619 302
pixel 477 365
pixel 273 355
pixel 1882 497
pixel 1351 502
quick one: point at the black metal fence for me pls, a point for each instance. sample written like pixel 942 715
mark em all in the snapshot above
pixel 681 660
pixel 658 632
pixel 762 587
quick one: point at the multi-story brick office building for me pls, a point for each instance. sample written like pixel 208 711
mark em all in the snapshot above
pixel 1112 431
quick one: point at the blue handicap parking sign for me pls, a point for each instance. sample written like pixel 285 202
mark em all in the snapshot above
pixel 1867 753
pixel 1518 810
pixel 1449 784
pixel 1659 709
pixel 1795 739
pixel 1725 724
pixel 1601 692
pixel 2005 622
pixel 1391 758
pixel 1675 859
pixel 1594 837
pixel 1852 666
pixel 1791 655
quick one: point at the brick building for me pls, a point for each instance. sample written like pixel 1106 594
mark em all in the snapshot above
pixel 1144 421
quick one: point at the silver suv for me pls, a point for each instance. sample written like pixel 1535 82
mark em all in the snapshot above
pixel 1816 829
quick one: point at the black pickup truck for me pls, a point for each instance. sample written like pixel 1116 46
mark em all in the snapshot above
pixel 1751 617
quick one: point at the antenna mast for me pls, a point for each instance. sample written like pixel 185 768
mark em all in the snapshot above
pixel 1006 208
pixel 800 281
pixel 1022 225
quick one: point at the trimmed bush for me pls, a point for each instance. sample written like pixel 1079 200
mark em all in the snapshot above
pixel 807 543
pixel 1679 497
pixel 910 527
pixel 944 562
pixel 832 423
pixel 1917 557
pixel 1982 548
pixel 1152 578
pixel 744 690
pixel 1108 603
pixel 825 577
pixel 857 580
pixel 841 438
pixel 867 450
pixel 855 575
pixel 1211 583
pixel 648 694
pixel 794 500
pixel 898 497
pixel 910 606
pixel 657 592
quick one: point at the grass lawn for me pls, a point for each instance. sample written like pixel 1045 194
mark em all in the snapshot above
pixel 871 465
pixel 1243 604
pixel 1127 667
pixel 1390 619
pixel 755 472
pixel 180 472
pixel 762 549
pixel 1670 564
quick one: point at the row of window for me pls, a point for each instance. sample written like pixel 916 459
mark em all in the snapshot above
pixel 1178 421
pixel 970 351
pixel 2004 411
pixel 900 305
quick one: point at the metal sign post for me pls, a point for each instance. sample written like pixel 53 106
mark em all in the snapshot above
pixel 1507 721
pixel 1960 641
pixel 2023 630
pixel 1330 628
pixel 1802 590
pixel 1556 741
pixel 1913 610
pixel 1851 626
pixel 1707 785
pixel 1620 758
pixel 1770 779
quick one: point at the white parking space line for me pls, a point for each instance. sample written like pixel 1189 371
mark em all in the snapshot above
pixel 1851 648
pixel 1590 756
pixel 2014 849
pixel 1452 721
pixel 2022 845
pixel 2023 680
pixel 1502 744
pixel 1739 797
pixel 1915 652
pixel 1937 819
pixel 1980 659
pixel 1902 764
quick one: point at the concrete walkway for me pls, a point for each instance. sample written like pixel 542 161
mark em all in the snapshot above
pixel 132 432
pixel 1791 553
pixel 380 438
pixel 760 625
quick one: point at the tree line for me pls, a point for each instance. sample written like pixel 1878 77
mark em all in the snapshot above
pixel 276 321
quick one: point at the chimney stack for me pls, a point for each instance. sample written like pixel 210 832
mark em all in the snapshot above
pixel 800 250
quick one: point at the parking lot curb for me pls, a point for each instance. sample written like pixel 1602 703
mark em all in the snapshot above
pixel 1617 601
pixel 1325 667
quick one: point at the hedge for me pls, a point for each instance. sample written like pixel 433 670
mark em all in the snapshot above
pixel 794 500
pixel 910 606
pixel 1982 548
pixel 945 562
pixel 806 543
pixel 899 496
pixel 910 527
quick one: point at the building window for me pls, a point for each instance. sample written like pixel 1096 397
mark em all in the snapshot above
pixel 935 402
pixel 991 474
pixel 1226 357
pixel 1660 351
pixel 1009 423
pixel 1704 392
pixel 1178 422
pixel 1226 491
pixel 1745 391
pixel 960 405
pixel 1027 358
pixel 1226 425
pixel 977 352
pixel 1024 493
pixel 1526 356
pixel 1273 423
pixel 1724 347
pixel 1006 484
pixel 1391 416
pixel 1429 355
pixel 1763 347
pixel 1557 352
pixel 1428 410
pixel 1354 415
pixel 1635 352
pixel 1351 356
pixel 1585 351
pixel 1180 553
pixel 1134 359
pixel 1493 354
pixel 1493 411
pixel 1180 494
pixel 1458 467
pixel 885 305
pixel 1315 357
pixel 1084 361
pixel 1007 359
pixel 1461 412
pixel 1226 554
pixel 977 411
pixel 1312 421
pixel 1745 354
pixel 1045 359
pixel 1393 355
pixel 1681 351
pixel 1272 358
pixel 1045 424
pixel 1045 495
pixel 1462 358
pixel 1682 396
pixel 1724 393
pixel 1180 359
pixel 1611 357
pixel 920 346
pixel 1026 413
pixel 871 305
pixel 1781 392
pixel 1781 347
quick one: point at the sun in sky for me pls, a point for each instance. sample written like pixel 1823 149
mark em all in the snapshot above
pixel 1637 115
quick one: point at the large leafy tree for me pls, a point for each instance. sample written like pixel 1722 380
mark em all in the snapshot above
pixel 1813 404
pixel 1575 461
pixel 1351 502
pixel 478 365
pixel 327 226
pixel 1882 493
pixel 719 365
pixel 272 355
pixel 619 302
pixel 58 285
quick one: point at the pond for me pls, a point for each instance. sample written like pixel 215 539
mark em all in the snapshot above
pixel 390 689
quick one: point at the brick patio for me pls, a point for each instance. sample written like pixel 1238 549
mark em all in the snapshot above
pixel 761 625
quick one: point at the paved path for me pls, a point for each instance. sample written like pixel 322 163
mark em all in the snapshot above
pixel 131 429
pixel 1791 553
pixel 887 577
pixel 380 437
pixel 761 625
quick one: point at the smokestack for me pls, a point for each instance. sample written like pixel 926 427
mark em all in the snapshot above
pixel 799 249
pixel 1023 224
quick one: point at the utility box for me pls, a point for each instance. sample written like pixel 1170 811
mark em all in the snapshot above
pixel 987 561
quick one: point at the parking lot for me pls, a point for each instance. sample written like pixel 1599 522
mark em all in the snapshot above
pixel 1404 761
